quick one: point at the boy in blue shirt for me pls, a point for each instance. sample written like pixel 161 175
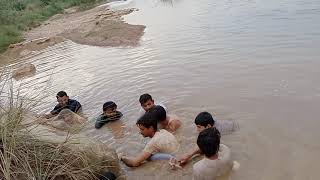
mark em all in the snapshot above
pixel 64 103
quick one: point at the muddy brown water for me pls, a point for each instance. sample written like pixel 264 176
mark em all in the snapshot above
pixel 253 61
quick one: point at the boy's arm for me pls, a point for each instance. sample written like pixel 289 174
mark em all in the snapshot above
pixel 78 107
pixel 100 122
pixel 136 161
pixel 53 112
pixel 74 106
pixel 186 157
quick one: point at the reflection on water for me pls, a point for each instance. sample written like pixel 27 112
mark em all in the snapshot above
pixel 252 61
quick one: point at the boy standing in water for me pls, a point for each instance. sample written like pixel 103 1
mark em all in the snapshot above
pixel 64 103
pixel 161 141
pixel 217 160
pixel 109 114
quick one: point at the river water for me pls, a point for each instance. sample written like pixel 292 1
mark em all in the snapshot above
pixel 253 61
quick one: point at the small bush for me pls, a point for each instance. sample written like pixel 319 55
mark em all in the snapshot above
pixel 8 35
pixel 25 156
pixel 19 6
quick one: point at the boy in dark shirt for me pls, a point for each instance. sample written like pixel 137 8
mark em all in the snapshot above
pixel 110 113
pixel 64 103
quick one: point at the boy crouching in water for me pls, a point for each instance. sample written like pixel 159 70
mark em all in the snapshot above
pixel 109 114
pixel 161 141
pixel 217 160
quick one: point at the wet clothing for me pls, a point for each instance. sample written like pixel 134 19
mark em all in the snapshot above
pixel 72 104
pixel 162 142
pixel 103 119
pixel 207 169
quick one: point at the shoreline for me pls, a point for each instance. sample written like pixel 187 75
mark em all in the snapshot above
pixel 98 26
pixel 17 17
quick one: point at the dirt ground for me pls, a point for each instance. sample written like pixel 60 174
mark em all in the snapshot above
pixel 99 26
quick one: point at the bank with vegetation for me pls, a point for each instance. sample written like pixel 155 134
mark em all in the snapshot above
pixel 32 149
pixel 17 16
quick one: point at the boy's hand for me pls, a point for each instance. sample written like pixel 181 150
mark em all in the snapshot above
pixel 120 155
pixel 183 159
pixel 174 163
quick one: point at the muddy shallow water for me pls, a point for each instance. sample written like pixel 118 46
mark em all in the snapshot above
pixel 253 61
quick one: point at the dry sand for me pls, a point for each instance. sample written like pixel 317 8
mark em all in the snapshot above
pixel 99 26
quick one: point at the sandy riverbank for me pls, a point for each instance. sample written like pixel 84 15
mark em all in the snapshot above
pixel 99 26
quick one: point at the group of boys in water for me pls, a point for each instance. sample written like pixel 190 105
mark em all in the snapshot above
pixel 156 124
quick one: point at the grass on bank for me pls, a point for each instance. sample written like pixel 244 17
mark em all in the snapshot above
pixel 17 16
pixel 23 156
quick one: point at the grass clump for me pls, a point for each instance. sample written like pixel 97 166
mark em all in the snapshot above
pixel 25 156
pixel 17 16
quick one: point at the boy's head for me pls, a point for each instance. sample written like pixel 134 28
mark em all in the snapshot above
pixel 109 108
pixel 146 102
pixel 147 125
pixel 204 120
pixel 159 113
pixel 209 141
pixel 62 98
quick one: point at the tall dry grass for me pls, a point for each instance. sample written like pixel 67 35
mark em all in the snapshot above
pixel 25 156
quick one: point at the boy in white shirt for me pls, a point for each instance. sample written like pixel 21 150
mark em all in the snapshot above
pixel 161 141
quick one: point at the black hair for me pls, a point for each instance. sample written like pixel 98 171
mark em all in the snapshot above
pixel 209 141
pixel 204 119
pixel 144 98
pixel 148 120
pixel 109 104
pixel 61 94
pixel 158 112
